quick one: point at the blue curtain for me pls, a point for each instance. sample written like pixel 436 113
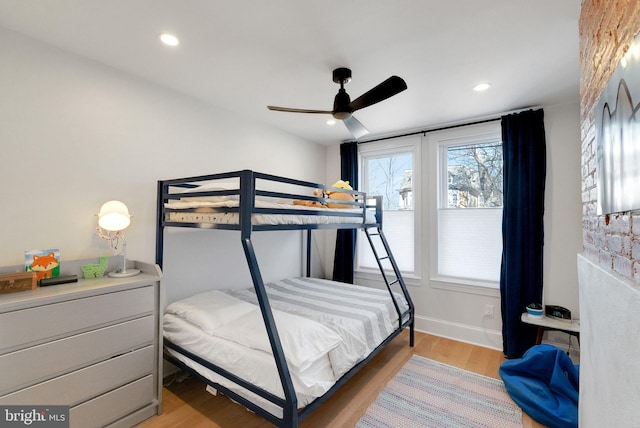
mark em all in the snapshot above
pixel 346 239
pixel 524 149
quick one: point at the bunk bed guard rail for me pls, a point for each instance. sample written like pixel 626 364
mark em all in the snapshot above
pixel 182 203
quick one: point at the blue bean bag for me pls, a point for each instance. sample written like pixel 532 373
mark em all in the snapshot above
pixel 544 383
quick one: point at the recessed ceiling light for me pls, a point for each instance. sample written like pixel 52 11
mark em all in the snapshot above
pixel 331 122
pixel 169 39
pixel 482 87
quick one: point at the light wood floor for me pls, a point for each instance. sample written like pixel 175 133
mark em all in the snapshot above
pixel 187 404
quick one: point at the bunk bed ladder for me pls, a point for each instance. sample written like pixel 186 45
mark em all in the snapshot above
pixel 385 255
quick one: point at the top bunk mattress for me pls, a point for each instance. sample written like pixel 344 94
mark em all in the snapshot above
pixel 214 212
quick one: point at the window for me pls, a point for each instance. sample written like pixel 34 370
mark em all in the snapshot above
pixel 388 169
pixel 469 207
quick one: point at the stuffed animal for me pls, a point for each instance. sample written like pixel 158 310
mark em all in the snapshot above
pixel 331 194
pixel 314 204
pixel 340 196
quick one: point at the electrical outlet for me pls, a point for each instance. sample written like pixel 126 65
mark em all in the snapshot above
pixel 488 311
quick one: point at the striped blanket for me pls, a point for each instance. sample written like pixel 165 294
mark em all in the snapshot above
pixel 362 316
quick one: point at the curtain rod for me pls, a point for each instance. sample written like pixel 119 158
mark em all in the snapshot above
pixel 424 131
pixel 452 126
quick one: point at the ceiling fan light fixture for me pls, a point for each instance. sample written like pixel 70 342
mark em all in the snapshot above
pixel 342 115
pixel 169 39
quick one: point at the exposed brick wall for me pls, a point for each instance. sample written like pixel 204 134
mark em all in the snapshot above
pixel 607 29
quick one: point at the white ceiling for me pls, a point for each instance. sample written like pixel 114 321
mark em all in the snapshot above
pixel 245 55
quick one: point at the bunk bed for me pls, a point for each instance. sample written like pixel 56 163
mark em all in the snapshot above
pixel 292 342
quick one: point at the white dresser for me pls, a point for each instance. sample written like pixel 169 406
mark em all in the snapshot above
pixel 93 345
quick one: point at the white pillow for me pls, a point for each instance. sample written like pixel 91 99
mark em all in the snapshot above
pixel 208 187
pixel 210 310
pixel 304 341
pixel 215 185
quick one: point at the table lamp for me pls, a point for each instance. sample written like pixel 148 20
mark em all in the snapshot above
pixel 114 217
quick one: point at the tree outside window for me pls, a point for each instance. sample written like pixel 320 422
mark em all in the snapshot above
pixel 474 176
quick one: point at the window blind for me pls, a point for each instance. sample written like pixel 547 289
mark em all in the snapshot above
pixel 470 243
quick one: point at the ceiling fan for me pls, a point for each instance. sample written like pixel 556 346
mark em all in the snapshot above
pixel 343 107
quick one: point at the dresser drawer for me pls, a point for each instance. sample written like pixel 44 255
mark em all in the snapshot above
pixel 56 320
pixel 113 405
pixel 42 362
pixel 75 387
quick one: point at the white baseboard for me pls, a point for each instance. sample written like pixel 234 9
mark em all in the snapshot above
pixel 461 332
pixel 488 338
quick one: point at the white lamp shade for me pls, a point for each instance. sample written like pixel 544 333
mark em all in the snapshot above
pixel 114 216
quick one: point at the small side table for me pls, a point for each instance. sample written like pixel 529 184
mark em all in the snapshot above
pixel 544 323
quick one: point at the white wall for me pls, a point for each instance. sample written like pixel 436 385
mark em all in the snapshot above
pixel 459 313
pixel 610 326
pixel 75 134
pixel 563 207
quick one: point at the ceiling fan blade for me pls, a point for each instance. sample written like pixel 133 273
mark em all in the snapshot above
pixel 356 128
pixel 298 110
pixel 390 87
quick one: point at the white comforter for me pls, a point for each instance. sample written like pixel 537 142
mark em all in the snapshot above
pixel 325 329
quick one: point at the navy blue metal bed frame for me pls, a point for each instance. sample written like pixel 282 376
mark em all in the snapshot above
pixel 247 193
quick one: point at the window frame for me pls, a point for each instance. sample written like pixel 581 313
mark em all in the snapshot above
pixel 438 143
pixel 390 147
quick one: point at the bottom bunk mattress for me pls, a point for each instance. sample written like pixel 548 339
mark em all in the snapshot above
pixel 325 328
